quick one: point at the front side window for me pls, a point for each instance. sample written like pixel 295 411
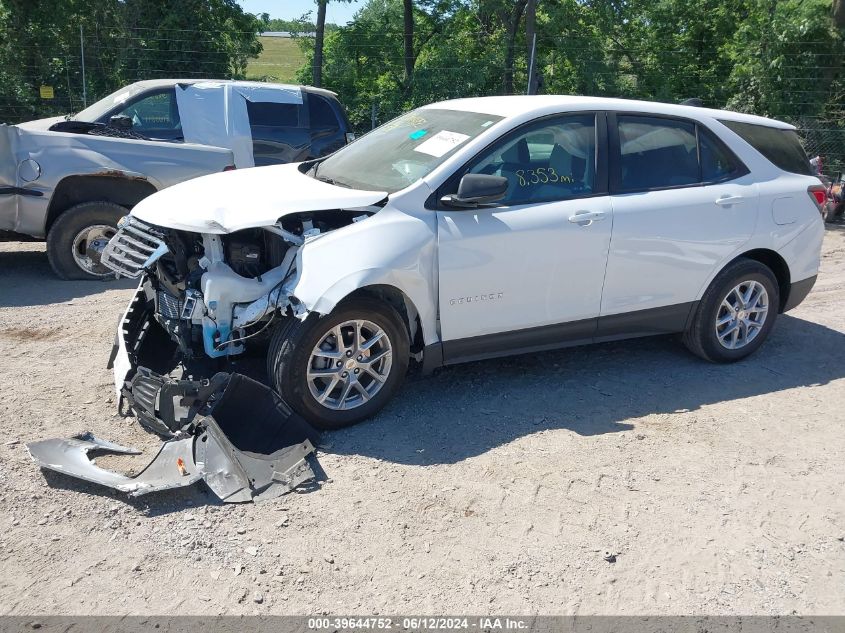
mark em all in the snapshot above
pixel 656 153
pixel 155 116
pixel 553 159
pixel 402 151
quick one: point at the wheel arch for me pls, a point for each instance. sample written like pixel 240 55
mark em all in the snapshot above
pixel 402 303
pixel 774 262
pixel 118 188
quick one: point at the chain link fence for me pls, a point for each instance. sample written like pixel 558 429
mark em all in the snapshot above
pixel 61 84
pixel 824 137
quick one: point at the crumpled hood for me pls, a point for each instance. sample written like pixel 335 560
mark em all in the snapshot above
pixel 246 198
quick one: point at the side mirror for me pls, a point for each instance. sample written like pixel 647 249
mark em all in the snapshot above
pixel 477 190
pixel 121 122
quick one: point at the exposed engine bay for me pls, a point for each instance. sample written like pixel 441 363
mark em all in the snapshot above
pixel 213 293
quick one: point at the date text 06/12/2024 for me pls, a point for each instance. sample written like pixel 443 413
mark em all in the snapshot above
pixel 416 623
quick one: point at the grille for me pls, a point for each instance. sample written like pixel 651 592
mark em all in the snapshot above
pixel 134 247
pixel 169 306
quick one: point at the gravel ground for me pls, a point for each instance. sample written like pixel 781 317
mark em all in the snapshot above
pixel 492 487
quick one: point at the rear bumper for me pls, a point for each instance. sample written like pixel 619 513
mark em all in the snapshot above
pixel 798 291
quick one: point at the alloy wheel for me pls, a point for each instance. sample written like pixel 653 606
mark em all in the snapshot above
pixel 742 314
pixel 349 365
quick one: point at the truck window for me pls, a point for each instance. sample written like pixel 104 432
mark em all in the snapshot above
pixel 263 114
pixel 278 135
pixel 154 115
pixel 781 147
pixel 322 114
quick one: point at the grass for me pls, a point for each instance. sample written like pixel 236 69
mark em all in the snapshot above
pixel 279 60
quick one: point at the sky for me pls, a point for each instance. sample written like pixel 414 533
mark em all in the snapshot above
pixel 336 12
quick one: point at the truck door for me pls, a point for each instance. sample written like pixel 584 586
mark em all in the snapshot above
pixel 280 132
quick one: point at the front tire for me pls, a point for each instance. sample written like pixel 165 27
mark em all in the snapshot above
pixel 341 368
pixel 736 313
pixel 77 238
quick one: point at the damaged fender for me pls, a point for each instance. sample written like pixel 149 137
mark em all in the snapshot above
pixel 338 263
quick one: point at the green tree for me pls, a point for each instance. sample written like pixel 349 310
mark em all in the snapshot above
pixel 787 59
pixel 125 41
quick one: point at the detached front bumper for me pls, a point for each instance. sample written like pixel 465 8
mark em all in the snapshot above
pixel 236 434
pixel 233 475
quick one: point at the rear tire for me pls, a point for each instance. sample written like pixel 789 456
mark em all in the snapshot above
pixel 76 240
pixel 305 362
pixel 725 328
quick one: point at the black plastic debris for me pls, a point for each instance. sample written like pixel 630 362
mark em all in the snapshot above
pixel 164 405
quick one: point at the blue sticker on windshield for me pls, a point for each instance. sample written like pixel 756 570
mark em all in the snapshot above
pixel 417 135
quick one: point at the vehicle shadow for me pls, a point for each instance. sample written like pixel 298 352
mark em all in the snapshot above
pixel 26 279
pixel 464 411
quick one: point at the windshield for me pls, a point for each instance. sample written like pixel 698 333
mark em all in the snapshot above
pixel 403 150
pixel 98 110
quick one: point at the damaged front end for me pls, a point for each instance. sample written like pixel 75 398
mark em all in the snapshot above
pixel 215 279
pixel 200 295
pixel 206 295
pixel 229 431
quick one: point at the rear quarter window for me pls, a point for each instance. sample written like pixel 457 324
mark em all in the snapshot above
pixel 321 113
pixel 781 147
pixel 268 114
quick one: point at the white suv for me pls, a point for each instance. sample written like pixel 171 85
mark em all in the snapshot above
pixel 472 229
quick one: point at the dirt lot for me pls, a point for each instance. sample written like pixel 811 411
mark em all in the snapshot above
pixel 491 487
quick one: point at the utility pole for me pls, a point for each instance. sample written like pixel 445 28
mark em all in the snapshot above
pixel 82 52
pixel 319 42
pixel 531 40
pixel 532 70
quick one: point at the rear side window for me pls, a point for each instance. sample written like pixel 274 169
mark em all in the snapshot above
pixel 662 153
pixel 657 153
pixel 717 162
pixel 265 114
pixel 321 113
pixel 277 132
pixel 781 147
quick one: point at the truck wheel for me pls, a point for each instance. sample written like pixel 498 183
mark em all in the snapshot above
pixel 736 313
pixel 76 240
pixel 341 368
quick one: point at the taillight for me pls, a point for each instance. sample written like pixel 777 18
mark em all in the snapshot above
pixel 229 168
pixel 818 194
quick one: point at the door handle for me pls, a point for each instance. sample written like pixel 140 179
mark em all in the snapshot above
pixel 726 201
pixel 586 218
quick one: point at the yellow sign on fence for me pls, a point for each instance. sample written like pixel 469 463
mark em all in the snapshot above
pixel 47 92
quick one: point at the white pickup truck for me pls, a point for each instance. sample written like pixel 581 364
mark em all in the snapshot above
pixel 70 179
